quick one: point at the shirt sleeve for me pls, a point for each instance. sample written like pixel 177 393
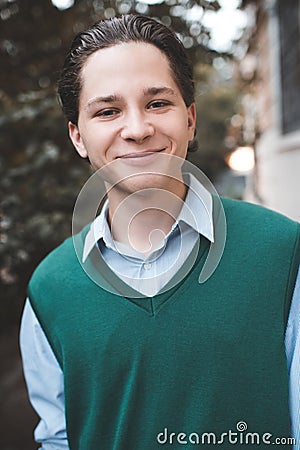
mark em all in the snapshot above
pixel 292 345
pixel 44 379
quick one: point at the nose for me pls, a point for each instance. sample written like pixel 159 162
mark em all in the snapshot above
pixel 136 127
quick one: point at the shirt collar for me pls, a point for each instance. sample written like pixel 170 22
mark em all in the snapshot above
pixel 196 212
pixel 197 208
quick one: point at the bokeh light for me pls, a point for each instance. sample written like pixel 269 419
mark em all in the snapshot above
pixel 242 159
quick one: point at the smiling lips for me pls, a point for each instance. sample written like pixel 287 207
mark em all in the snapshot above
pixel 140 154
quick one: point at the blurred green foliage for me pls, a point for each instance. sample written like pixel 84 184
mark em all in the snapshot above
pixel 40 174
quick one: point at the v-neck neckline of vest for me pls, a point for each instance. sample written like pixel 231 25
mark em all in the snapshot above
pixel 150 305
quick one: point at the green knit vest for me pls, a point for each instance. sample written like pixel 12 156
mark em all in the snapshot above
pixel 198 365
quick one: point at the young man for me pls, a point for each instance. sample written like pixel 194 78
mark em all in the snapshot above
pixel 136 357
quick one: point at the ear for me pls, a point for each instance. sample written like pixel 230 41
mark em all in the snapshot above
pixel 191 120
pixel 76 139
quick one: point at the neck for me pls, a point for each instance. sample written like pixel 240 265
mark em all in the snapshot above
pixel 143 218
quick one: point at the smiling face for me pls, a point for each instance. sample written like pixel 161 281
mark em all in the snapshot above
pixel 131 109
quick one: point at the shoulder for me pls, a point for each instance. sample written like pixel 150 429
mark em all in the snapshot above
pixel 255 226
pixel 62 263
pixel 252 215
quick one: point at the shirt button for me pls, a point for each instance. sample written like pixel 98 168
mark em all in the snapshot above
pixel 147 266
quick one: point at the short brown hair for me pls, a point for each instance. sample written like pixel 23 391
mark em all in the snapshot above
pixel 106 33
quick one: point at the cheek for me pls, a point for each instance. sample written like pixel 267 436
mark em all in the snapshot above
pixel 183 132
pixel 176 126
pixel 97 139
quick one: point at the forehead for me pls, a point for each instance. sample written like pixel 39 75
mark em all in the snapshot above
pixel 125 65
pixel 131 49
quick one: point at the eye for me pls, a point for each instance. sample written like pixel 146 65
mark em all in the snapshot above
pixel 158 104
pixel 107 113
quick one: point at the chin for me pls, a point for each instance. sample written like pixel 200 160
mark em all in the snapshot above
pixel 141 182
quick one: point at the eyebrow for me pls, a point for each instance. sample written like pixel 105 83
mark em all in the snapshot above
pixel 113 98
pixel 159 90
pixel 106 99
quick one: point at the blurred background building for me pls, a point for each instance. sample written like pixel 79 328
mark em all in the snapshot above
pixel 271 66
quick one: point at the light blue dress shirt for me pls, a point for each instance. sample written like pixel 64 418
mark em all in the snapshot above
pixel 42 372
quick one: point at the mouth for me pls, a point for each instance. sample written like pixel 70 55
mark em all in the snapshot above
pixel 141 154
